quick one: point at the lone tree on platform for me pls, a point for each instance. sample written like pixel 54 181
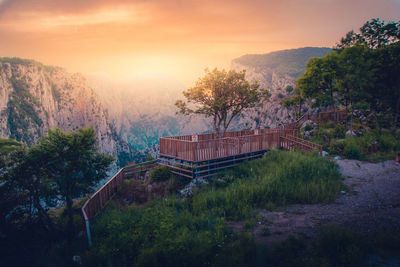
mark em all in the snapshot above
pixel 222 95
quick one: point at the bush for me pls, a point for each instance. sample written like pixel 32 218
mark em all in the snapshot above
pixel 352 152
pixel 339 132
pixel 336 147
pixel 308 127
pixel 387 142
pixel 159 174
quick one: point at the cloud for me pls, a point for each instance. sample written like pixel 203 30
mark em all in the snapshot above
pixel 186 34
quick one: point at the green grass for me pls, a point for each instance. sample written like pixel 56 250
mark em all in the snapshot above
pixel 280 178
pixel 171 231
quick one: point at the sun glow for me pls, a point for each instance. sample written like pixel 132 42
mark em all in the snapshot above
pixel 179 38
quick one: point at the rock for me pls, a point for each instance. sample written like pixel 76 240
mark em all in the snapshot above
pixel 324 153
pixel 60 99
pixel 315 125
pixel 350 133
pixel 337 158
pixel 187 191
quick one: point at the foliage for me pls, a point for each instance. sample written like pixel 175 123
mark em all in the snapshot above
pixel 222 95
pixel 374 34
pixel 192 232
pixel 280 178
pixel 289 89
pixel 149 157
pixel 357 147
pixel 159 174
pixel 59 167
pixel 72 162
pixel 8 145
pixel 361 74
pixel 26 62
pixel 164 234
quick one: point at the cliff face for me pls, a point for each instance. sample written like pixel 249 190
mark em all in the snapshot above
pixel 274 71
pixel 34 98
pixel 272 113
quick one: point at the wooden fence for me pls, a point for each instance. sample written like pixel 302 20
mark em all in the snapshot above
pixel 197 148
pixel 106 192
pixel 291 142
pixel 339 115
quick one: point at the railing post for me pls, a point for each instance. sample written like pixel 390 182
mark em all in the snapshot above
pixel 88 233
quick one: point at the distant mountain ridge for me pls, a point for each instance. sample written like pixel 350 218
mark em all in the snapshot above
pixel 285 62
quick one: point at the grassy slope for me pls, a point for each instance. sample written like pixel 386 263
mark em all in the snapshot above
pixel 173 231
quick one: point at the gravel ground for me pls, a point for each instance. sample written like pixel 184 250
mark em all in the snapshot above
pixel 372 203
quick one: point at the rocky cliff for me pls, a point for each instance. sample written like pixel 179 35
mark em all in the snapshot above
pixel 276 72
pixel 34 98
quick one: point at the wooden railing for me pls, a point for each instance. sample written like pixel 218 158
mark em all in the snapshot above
pixel 339 115
pixel 291 142
pixel 106 192
pixel 208 147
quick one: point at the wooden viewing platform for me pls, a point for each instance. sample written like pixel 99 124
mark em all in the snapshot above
pixel 203 155
pixel 203 147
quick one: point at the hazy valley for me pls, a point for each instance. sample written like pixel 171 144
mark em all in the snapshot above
pixel 130 115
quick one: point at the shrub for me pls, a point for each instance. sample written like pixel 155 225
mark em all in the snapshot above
pixel 339 132
pixel 387 142
pixel 159 174
pixel 308 127
pixel 336 147
pixel 352 152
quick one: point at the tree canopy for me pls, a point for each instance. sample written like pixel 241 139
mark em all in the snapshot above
pixel 363 73
pixel 58 168
pixel 222 95
pixel 374 34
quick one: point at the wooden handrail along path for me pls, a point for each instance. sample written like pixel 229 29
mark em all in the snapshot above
pixel 106 192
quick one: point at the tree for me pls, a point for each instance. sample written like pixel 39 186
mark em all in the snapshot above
pixel 385 96
pixel 296 100
pixel 374 34
pixel 73 164
pixel 222 95
pixel 354 78
pixel 318 81
pixel 59 167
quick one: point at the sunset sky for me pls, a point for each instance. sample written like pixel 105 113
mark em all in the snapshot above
pixel 179 38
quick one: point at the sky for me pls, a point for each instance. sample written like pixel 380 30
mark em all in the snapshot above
pixel 179 38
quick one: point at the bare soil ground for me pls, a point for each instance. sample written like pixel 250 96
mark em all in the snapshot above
pixel 372 203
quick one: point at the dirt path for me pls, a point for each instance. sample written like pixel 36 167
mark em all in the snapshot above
pixel 372 203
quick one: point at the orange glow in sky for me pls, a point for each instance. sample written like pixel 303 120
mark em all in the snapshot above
pixel 177 37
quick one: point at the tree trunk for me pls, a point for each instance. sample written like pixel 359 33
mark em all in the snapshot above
pixel 376 122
